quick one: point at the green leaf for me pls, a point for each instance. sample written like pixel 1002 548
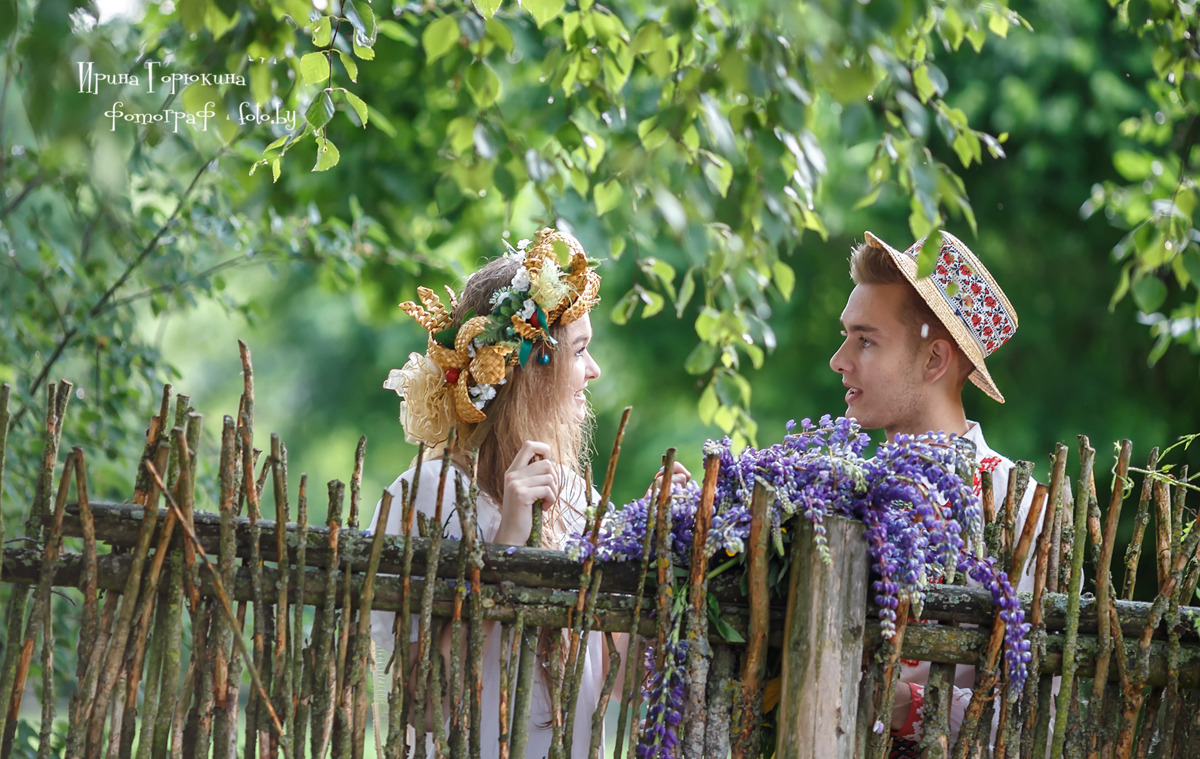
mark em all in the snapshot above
pixel 381 122
pixel 262 84
pixel 363 51
pixel 206 100
pixel 1122 288
pixel 724 629
pixel 361 17
pixel 227 10
pixel 593 147
pixel 327 155
pixel 359 106
pixel 276 168
pixel 1160 348
pixel 868 199
pixel 701 359
pixel 314 68
pixel 607 195
pixel 919 222
pixel 927 258
pixel 654 303
pixel 648 38
pixel 351 67
pixel 323 33
pixel 1134 165
pixel 1181 273
pixel 487 8
pixel 707 324
pixel 483 84
pixel 998 25
pixel 192 13
pixel 952 27
pixel 1149 292
pixel 718 172
pixel 440 37
pixel 543 11
pixel 923 83
pixel 1191 263
pixel 687 288
pixel 650 134
pixel 785 279
pixel 499 33
pixel 976 35
pixel 708 405
pixel 320 111
pixel 662 271
pixel 579 181
pixel 624 308
pixel 755 353
pixel 396 31
pixel 617 68
pixel 201 97
pixel 461 133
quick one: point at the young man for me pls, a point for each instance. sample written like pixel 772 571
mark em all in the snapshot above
pixel 911 345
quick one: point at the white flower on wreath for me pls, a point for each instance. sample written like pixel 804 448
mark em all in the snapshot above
pixel 517 253
pixel 425 412
pixel 481 394
pixel 520 280
pixel 499 297
pixel 527 310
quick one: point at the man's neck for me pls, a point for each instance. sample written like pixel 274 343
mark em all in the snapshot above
pixel 947 417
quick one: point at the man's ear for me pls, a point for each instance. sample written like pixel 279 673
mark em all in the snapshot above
pixel 939 359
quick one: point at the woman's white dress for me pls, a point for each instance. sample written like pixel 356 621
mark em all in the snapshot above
pixel 538 746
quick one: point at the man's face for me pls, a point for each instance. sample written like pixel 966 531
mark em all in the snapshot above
pixel 879 362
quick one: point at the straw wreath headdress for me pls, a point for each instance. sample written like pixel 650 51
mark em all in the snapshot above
pixel 464 366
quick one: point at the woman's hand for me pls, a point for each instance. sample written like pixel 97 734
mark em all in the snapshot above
pixel 531 477
pixel 679 476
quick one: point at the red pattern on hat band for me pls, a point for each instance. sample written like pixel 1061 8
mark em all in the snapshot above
pixel 973 300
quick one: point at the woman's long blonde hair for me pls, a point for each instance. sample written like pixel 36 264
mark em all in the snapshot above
pixel 535 403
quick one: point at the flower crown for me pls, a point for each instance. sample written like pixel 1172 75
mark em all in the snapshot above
pixel 463 366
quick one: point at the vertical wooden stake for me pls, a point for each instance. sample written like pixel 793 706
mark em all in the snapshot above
pixel 748 713
pixel 822 642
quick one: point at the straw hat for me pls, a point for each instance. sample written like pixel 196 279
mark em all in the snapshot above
pixel 965 297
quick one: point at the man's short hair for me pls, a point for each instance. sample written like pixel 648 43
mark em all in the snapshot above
pixel 872 265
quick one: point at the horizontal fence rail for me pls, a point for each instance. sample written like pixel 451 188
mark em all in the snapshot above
pixel 228 634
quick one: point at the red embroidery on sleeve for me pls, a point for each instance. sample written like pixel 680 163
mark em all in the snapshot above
pixel 988 464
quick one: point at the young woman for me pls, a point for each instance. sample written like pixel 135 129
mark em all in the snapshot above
pixel 507 366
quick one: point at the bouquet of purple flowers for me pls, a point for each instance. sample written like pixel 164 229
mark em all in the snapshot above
pixel 915 497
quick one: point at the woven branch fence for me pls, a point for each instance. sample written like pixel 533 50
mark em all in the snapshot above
pixel 185 618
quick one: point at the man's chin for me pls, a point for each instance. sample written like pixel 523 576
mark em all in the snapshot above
pixel 864 420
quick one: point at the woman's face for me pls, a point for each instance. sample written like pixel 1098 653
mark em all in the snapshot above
pixel 574 348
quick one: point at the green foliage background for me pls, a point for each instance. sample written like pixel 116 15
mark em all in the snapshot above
pixel 722 161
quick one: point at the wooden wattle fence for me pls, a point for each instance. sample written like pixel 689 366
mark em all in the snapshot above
pixel 227 634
